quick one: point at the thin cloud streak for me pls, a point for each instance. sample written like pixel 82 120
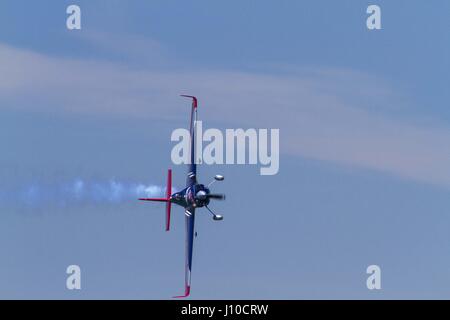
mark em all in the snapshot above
pixel 330 115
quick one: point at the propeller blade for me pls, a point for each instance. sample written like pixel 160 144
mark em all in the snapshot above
pixel 216 196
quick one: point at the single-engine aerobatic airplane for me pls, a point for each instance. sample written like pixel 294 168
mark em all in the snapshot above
pixel 194 196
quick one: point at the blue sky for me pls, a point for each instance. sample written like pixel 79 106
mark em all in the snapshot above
pixel 364 129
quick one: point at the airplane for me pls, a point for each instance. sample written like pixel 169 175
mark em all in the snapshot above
pixel 195 195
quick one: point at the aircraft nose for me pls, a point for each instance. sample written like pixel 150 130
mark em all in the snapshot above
pixel 201 195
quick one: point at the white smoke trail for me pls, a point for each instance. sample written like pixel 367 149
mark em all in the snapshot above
pixel 79 192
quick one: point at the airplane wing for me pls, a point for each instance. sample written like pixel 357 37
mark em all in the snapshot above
pixel 190 233
pixel 191 180
pixel 192 167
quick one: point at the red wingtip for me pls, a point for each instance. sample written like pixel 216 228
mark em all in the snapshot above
pixel 194 100
pixel 186 293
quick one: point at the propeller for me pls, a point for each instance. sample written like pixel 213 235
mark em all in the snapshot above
pixel 202 195
pixel 216 196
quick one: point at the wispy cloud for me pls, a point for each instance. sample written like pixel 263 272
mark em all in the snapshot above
pixel 336 115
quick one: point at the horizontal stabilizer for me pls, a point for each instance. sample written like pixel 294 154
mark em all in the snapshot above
pixel 167 199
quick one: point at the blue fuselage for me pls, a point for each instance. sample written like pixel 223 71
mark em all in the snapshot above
pixel 187 197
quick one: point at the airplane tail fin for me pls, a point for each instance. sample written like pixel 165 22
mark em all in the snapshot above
pixel 167 199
